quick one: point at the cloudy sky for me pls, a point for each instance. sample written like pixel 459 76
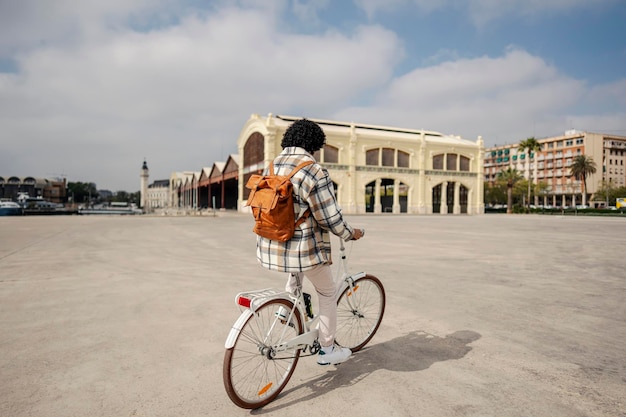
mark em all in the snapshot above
pixel 88 89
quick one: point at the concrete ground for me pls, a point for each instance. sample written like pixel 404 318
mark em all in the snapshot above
pixel 488 315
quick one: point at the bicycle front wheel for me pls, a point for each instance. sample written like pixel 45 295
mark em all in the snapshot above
pixel 359 312
pixel 254 372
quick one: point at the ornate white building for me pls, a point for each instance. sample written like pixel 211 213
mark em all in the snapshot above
pixel 378 169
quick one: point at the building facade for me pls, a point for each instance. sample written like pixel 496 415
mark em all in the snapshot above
pixel 552 166
pixel 378 169
pixel 153 196
pixel 157 195
pixel 52 190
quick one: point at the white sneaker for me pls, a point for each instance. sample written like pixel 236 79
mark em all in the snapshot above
pixel 333 355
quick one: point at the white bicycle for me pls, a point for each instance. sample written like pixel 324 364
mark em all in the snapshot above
pixel 276 327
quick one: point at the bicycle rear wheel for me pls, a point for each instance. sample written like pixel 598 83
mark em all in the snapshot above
pixel 360 312
pixel 254 373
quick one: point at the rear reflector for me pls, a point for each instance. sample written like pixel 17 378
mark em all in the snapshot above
pixel 244 302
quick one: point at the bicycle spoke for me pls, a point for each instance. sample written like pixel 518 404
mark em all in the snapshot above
pixel 253 373
pixel 359 312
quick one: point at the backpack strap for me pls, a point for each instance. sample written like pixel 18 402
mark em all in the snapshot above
pixel 298 168
pixel 302 218
pixel 307 212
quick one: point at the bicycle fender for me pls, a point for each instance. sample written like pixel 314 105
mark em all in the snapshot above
pixel 358 275
pixel 344 283
pixel 234 331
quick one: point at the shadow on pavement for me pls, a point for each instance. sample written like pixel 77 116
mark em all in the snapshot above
pixel 413 352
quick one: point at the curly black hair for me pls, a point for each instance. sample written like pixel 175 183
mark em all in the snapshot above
pixel 305 134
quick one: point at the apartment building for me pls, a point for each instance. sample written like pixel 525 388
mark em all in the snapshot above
pixel 552 165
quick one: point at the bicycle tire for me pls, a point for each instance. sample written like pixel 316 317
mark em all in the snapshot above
pixel 251 378
pixel 356 327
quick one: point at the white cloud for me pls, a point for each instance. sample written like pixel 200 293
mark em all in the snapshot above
pixel 34 24
pixel 177 96
pixel 504 99
pixel 91 102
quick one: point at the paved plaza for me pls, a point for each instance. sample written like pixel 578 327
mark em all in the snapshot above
pixel 490 315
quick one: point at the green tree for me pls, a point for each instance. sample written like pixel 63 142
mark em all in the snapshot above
pixel 530 146
pixel 583 166
pixel 135 197
pixel 495 193
pixel 121 196
pixel 510 176
pixel 82 192
pixel 610 192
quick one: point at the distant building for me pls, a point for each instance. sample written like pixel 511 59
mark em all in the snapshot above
pixel 375 169
pixel 379 169
pixel 156 195
pixel 552 165
pixel 49 189
pixel 177 182
pixel 144 176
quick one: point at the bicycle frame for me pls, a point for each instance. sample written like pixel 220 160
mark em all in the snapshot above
pixel 250 301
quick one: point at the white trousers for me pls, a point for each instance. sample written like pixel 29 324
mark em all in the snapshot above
pixel 322 279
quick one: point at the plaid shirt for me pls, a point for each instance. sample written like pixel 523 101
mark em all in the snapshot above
pixel 310 245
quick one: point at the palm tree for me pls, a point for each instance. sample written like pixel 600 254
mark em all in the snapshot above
pixel 510 176
pixel 529 145
pixel 541 188
pixel 581 168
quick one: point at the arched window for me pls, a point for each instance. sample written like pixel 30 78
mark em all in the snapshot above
pixel 329 154
pixel 371 157
pixel 403 159
pixel 388 157
pixel 465 163
pixel 451 159
pixel 438 161
pixel 253 152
